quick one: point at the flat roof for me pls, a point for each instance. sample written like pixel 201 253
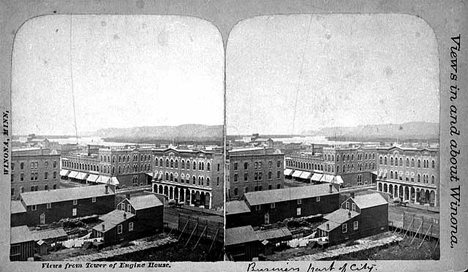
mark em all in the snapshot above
pixel 65 194
pixel 287 194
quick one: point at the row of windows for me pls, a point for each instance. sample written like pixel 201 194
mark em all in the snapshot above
pixel 186 179
pixel 273 205
pixel 34 165
pixel 81 166
pixel 123 158
pixel 347 157
pixel 304 165
pixel 185 164
pixel 257 176
pixel 33 188
pixel 34 176
pixel 399 162
pixel 257 165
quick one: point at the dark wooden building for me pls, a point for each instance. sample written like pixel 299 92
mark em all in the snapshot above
pixel 237 214
pixel 45 207
pixel 358 217
pixel 271 206
pixel 241 243
pixel 134 218
pixel 21 244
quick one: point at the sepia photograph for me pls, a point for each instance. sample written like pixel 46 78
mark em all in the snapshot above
pixel 117 149
pixel 333 138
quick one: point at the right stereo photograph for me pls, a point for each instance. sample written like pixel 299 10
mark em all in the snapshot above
pixel 332 141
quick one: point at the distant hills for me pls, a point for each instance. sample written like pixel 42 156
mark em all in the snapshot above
pixel 188 132
pixel 404 131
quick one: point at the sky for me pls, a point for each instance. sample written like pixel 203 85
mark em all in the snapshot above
pixel 115 71
pixel 286 74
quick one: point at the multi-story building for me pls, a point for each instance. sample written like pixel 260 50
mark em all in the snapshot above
pixel 254 169
pixel 351 166
pixel 409 173
pixel 34 169
pixel 122 166
pixel 193 177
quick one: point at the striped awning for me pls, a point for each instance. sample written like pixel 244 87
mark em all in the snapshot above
pixel 64 172
pixel 82 176
pixel 306 175
pixel 316 177
pixel 297 174
pixel 72 174
pixel 102 179
pixel 288 172
pixel 92 178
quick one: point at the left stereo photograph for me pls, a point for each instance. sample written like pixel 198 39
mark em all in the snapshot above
pixel 117 141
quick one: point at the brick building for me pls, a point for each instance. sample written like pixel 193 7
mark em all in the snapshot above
pixel 254 169
pixel 193 177
pixel 45 207
pixel 409 173
pixel 34 169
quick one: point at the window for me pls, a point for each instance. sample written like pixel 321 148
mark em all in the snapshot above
pixel 298 211
pixel 432 179
pixel 130 226
pixel 74 212
pixel 433 164
pixel 129 208
pixel 317 199
pixel 119 229
pixel 278 174
pixel 246 165
pixel 278 164
pixel 235 166
pixel 93 200
pixel 33 207
pixel 355 225
pixel 236 192
pixel 258 207
pixel 353 207
pixel 22 165
pixel 272 205
pixel 344 228
pixel 246 176
pixel 22 177
pixel 278 186
pixel 299 201
pixel 75 201
pixel 347 205
pixel 46 175
pixel 49 205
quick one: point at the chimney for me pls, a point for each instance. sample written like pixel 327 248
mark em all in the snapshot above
pixel 103 227
pixel 107 189
pixel 328 226
pixel 349 214
pixel 127 196
pixel 331 188
pixel 125 215
pixel 352 194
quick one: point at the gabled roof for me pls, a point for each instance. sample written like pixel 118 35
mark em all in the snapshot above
pixel 239 235
pixel 67 194
pixel 20 234
pixel 336 218
pixel 287 194
pixel 369 200
pixel 112 219
pixel 17 207
pixel 236 207
pixel 144 202
pixel 49 234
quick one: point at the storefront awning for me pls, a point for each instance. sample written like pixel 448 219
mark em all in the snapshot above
pixel 327 178
pixel 150 174
pixel 288 172
pixel 316 177
pixel 103 179
pixel 64 172
pixel 297 174
pixel 306 175
pixel 114 181
pixel 82 176
pixel 337 180
pixel 92 178
pixel 72 174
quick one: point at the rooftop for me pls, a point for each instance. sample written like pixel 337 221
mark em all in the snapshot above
pixel 239 235
pixel 144 202
pixel 287 194
pixel 66 194
pixel 273 234
pixel 20 234
pixel 17 207
pixel 369 200
pixel 236 207
pixel 49 234
pixel 341 215
pixel 112 219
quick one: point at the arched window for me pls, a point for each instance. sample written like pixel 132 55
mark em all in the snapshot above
pixel 194 166
pixel 235 177
pixel 194 179
pixel 385 160
pixel 167 176
pixel 182 164
pixel 337 168
pixel 380 160
pixel 176 164
pixel 207 181
pixel 391 174
pixel 187 164
pixel 432 179
pixel 172 163
pixel 269 175
pixel 433 164
pixel 171 177
pixel 208 166
pixel 337 158
pixel 161 162
pixel 55 175
pixel 55 186
pixel 419 178
pixel 167 162
pixel 391 160
pixel 419 163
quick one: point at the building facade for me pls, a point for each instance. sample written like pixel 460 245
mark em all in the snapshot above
pixel 409 173
pixel 253 169
pixel 34 169
pixel 192 177
pixel 356 166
